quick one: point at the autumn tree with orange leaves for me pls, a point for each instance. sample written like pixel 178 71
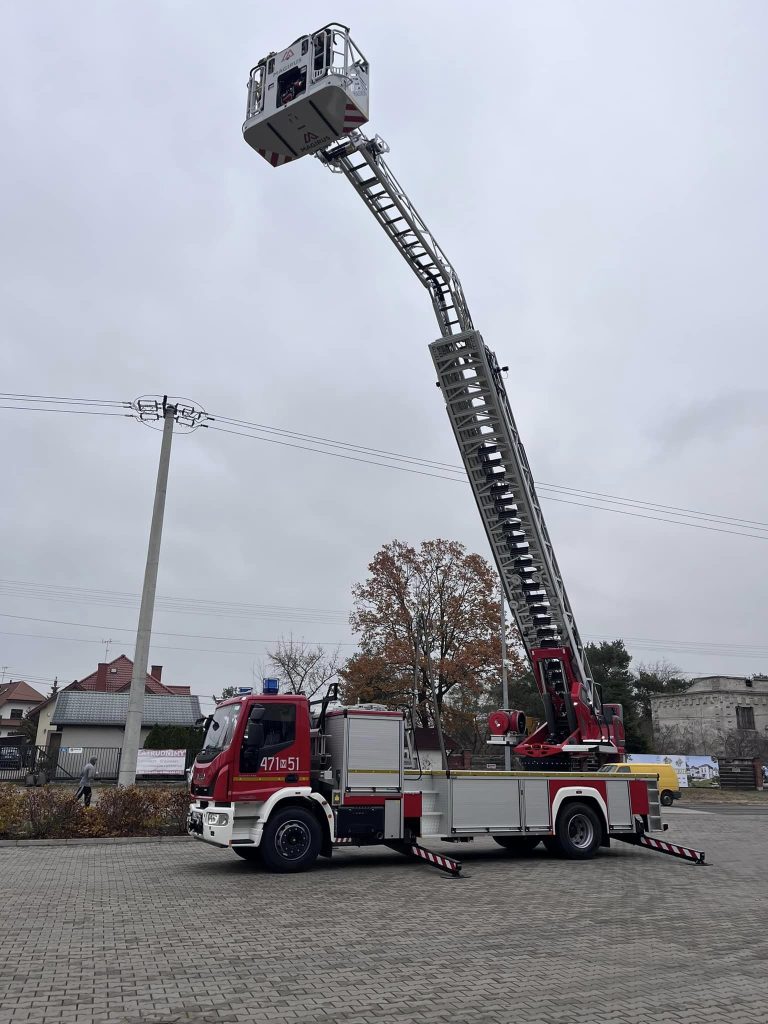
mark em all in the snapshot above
pixel 436 601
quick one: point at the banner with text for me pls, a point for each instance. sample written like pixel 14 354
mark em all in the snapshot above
pixel 161 762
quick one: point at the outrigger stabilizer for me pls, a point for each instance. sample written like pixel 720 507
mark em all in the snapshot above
pixel 661 846
pixel 438 860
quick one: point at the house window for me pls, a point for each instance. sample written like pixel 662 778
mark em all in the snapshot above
pixel 745 718
pixel 16 713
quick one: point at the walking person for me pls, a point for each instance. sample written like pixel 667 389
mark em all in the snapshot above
pixel 89 774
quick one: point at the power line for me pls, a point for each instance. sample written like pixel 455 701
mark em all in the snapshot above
pixel 166 647
pixel 657 519
pixel 59 398
pixel 653 505
pixel 454 468
pixel 734 650
pixel 198 607
pixel 160 632
pixel 71 412
pixel 341 444
pixel 547 497
pixel 602 501
pixel 336 455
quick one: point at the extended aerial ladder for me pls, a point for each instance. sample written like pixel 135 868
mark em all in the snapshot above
pixel 312 99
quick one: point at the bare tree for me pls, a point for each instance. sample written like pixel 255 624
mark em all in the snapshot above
pixel 695 738
pixel 303 668
pixel 698 738
pixel 744 743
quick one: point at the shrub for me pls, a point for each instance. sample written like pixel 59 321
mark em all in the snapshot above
pixel 176 806
pixel 53 813
pixel 12 811
pixel 130 811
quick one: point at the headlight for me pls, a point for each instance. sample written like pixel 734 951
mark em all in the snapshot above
pixel 217 819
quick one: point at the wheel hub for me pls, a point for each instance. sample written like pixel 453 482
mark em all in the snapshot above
pixel 581 831
pixel 293 839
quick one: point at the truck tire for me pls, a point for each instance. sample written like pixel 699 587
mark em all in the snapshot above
pixel 521 846
pixel 249 853
pixel 666 798
pixel 291 840
pixel 578 831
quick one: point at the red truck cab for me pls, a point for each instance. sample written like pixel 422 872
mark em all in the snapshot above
pixel 254 745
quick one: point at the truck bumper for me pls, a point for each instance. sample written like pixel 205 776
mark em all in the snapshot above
pixel 212 825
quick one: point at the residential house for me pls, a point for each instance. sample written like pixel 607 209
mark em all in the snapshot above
pixel 112 677
pixel 16 699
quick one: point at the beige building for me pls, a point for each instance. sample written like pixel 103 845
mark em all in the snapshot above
pixel 17 698
pixel 714 707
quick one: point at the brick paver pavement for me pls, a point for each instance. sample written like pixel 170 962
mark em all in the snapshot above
pixel 155 933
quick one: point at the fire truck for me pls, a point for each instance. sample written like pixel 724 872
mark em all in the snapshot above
pixel 279 780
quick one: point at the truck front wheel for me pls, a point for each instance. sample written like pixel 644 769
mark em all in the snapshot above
pixel 291 840
pixel 578 831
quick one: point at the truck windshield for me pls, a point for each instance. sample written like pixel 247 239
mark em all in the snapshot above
pixel 220 731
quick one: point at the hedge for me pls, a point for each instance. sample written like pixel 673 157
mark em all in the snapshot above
pixel 51 812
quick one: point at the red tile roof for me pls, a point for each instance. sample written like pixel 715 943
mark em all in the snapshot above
pixel 19 690
pixel 115 677
pixel 104 680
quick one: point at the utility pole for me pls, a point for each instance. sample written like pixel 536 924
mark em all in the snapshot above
pixel 149 411
pixel 107 644
pixel 504 683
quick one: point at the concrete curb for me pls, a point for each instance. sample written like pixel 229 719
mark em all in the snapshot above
pixel 116 841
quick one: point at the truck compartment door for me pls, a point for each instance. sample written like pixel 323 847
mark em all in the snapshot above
pixel 536 805
pixel 619 809
pixel 479 803
pixel 374 755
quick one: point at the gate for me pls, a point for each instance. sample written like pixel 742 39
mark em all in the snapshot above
pixel 739 772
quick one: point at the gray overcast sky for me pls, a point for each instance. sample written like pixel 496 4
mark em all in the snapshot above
pixel 596 173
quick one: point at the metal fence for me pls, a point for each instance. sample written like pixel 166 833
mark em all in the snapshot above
pixel 18 762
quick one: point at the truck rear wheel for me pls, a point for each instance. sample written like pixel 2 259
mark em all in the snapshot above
pixel 521 846
pixel 578 831
pixel 291 840
pixel 666 798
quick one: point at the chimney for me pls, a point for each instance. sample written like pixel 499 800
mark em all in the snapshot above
pixel 101 676
pixel 157 672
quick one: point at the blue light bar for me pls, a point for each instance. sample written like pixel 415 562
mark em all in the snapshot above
pixel 243 691
pixel 270 686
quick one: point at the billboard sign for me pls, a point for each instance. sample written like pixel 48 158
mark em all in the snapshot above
pixel 703 771
pixel 678 762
